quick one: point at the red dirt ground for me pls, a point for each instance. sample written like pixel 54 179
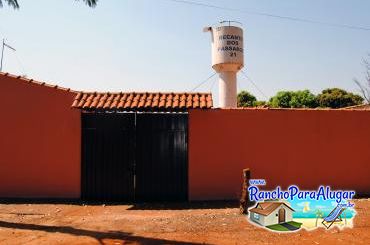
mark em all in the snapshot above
pixel 202 223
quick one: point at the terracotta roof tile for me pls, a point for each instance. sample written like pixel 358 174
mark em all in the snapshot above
pixel 196 100
pixel 114 103
pixel 102 100
pixel 155 102
pixel 142 101
pixel 162 100
pixel 169 101
pixel 152 101
pixel 83 100
pixel 106 103
pixel 149 100
pixel 182 101
pixel 89 101
pixel 203 101
pixel 176 101
pixel 95 100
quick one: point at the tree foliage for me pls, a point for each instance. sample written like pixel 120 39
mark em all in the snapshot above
pixel 281 99
pixel 246 99
pixel 338 98
pixel 259 103
pixel 294 99
pixel 331 98
pixel 15 4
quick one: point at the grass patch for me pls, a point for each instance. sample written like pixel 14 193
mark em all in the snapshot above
pixel 277 227
pixel 295 224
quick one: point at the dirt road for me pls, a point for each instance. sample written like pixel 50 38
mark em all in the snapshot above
pixel 201 223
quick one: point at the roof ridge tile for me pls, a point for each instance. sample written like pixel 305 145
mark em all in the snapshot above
pixel 138 100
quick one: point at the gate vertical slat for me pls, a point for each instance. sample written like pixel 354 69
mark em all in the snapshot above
pixel 163 176
pixel 106 163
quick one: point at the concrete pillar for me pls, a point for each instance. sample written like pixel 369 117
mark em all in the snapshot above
pixel 227 90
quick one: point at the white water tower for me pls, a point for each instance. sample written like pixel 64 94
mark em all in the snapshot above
pixel 227 59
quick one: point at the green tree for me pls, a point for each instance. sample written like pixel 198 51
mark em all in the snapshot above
pixel 294 99
pixel 303 98
pixel 338 98
pixel 259 103
pixel 281 99
pixel 15 4
pixel 246 99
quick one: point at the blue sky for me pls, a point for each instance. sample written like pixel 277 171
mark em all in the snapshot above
pixel 159 45
pixel 326 206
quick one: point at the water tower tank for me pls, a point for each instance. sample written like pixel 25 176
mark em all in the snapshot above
pixel 227 59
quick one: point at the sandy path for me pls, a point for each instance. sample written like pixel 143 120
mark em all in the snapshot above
pixel 125 224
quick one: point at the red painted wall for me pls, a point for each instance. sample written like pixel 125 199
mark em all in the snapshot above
pixel 304 147
pixel 39 141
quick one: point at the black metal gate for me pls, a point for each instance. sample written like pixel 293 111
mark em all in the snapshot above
pixel 108 156
pixel 161 160
pixel 134 156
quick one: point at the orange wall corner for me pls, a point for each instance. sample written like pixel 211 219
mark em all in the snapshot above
pixel 40 143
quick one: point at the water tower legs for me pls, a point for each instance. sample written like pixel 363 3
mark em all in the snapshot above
pixel 227 90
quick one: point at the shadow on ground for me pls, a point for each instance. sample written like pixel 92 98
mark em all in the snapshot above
pixel 98 235
pixel 134 206
pixel 185 205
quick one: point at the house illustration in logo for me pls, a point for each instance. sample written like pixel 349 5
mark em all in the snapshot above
pixel 271 213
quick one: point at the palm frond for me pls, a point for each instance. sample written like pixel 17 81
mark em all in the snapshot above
pixel 13 3
pixel 90 3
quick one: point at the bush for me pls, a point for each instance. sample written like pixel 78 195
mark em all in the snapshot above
pixel 338 98
pixel 246 99
pixel 294 99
